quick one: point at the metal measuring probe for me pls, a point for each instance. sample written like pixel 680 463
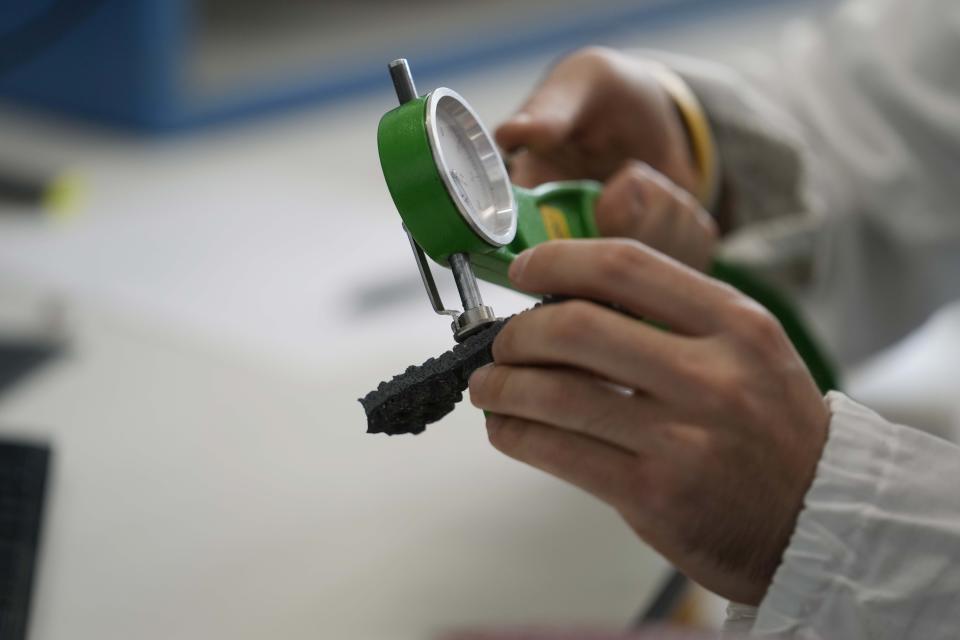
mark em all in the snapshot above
pixel 475 315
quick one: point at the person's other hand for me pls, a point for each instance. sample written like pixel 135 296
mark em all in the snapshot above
pixel 705 437
pixel 640 203
pixel 595 110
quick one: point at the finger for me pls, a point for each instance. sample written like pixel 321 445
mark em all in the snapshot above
pixel 582 335
pixel 544 121
pixel 529 131
pixel 641 203
pixel 642 281
pixel 600 469
pixel 529 170
pixel 629 201
pixel 570 399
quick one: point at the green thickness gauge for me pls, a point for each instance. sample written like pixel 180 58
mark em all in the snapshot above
pixel 458 206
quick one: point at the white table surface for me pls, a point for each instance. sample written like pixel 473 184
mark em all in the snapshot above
pixel 197 495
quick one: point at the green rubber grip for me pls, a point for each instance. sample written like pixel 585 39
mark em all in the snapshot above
pixel 550 212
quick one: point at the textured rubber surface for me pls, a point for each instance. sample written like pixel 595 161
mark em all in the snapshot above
pixel 423 394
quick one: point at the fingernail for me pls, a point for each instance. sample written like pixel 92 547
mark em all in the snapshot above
pixel 521 118
pixel 519 265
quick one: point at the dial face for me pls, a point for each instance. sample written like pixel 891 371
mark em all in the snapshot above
pixel 464 167
pixel 471 167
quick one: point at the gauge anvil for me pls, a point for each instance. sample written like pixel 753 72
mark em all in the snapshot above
pixel 458 206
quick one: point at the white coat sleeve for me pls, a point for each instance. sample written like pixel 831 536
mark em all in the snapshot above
pixel 842 154
pixel 876 551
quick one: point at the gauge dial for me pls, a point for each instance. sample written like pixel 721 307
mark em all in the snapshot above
pixel 471 167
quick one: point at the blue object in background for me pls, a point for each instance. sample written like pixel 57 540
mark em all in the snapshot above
pixel 128 62
pixel 115 63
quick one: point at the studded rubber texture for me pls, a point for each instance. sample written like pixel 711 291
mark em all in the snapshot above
pixel 423 394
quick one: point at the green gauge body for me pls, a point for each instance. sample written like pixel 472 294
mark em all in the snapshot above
pixel 556 210
pixel 422 198
pixel 435 210
pixel 551 211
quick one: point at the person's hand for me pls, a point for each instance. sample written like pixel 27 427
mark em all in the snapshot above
pixel 640 203
pixel 596 110
pixel 602 115
pixel 705 437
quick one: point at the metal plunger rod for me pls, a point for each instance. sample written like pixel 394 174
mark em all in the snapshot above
pixel 403 80
pixel 466 281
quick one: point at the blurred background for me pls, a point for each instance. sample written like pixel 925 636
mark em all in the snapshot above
pixel 201 270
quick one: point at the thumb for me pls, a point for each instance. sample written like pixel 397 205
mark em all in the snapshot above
pixel 541 125
pixel 526 131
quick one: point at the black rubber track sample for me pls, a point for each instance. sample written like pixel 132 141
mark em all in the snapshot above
pixel 423 394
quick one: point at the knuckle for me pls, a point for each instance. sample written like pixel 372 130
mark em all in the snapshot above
pixel 640 178
pixel 618 260
pixel 717 387
pixel 644 187
pixel 620 206
pixel 605 422
pixel 745 401
pixel 731 393
pixel 638 171
pixel 570 321
pixel 701 218
pixel 548 392
pixel 729 298
pixel 494 388
pixel 508 437
pixel 728 388
pixel 635 171
pixel 694 373
pixel 756 326
pixel 506 345
pixel 687 202
pixel 594 56
pixel 712 401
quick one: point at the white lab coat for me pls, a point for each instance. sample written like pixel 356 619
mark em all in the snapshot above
pixel 843 153
pixel 844 160
pixel 876 550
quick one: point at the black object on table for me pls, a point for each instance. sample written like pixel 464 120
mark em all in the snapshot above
pixel 20 358
pixel 23 480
